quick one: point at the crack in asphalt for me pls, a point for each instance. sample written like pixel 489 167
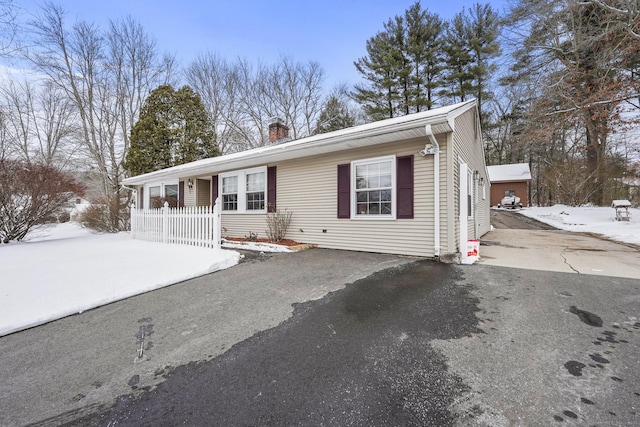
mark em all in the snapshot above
pixel 565 260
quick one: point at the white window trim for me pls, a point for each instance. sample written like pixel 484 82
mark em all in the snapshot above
pixel 242 190
pixel 353 195
pixel 471 190
pixel 161 184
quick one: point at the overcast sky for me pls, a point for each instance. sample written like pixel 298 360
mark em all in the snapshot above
pixel 330 32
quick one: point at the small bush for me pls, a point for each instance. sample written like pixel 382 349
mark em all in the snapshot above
pixel 64 216
pixel 278 223
pixel 158 202
pixel 107 215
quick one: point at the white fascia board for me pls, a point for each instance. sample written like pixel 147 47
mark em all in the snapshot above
pixel 369 134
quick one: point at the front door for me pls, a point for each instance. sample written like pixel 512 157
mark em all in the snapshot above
pixel 203 192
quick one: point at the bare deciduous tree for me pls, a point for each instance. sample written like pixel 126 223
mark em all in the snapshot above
pixel 8 27
pixel 39 122
pixel 243 99
pixel 582 58
pixel 107 75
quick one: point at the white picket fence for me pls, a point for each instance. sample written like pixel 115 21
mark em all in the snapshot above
pixel 194 225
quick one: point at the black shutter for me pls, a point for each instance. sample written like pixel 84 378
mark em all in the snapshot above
pixel 404 183
pixel 344 191
pixel 141 198
pixel 181 194
pixel 271 189
pixel 214 189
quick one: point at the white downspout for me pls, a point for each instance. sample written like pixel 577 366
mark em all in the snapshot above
pixel 436 190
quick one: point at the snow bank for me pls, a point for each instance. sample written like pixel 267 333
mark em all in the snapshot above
pixel 589 219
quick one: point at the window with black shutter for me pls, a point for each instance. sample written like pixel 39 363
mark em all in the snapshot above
pixel 404 172
pixel 344 190
pixel 377 188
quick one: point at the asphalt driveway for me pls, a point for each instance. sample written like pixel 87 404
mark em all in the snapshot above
pixel 338 338
pixel 79 365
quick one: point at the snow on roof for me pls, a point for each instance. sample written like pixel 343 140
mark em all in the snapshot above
pixel 409 126
pixel 512 172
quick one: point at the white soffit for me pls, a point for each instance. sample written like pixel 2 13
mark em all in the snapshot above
pixel 370 134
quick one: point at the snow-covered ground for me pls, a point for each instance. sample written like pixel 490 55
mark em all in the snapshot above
pixel 66 269
pixel 254 246
pixel 591 219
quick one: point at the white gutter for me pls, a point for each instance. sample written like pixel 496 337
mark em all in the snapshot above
pixel 359 136
pixel 436 190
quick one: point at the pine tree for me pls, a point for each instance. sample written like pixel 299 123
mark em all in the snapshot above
pixel 334 116
pixel 458 61
pixel 424 50
pixel 470 48
pixel 403 65
pixel 483 26
pixel 173 128
pixel 380 99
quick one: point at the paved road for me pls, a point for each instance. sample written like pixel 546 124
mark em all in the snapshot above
pixel 422 344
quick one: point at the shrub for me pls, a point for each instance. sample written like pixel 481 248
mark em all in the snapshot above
pixel 31 194
pixel 278 224
pixel 64 216
pixel 109 215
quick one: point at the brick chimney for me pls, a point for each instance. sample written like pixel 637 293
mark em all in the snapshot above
pixel 278 131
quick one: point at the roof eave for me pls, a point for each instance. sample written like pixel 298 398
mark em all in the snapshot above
pixel 360 136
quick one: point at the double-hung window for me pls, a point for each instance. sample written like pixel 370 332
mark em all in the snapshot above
pixel 230 193
pixel 376 188
pixel 256 186
pixel 373 185
pixel 244 191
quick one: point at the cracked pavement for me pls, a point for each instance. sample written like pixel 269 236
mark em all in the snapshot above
pixel 559 251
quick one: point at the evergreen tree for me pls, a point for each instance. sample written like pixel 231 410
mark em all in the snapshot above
pixel 483 27
pixel 334 116
pixel 403 65
pixel 380 99
pixel 173 128
pixel 424 50
pixel 458 61
pixel 471 46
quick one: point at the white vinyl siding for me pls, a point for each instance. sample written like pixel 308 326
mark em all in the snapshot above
pixel 308 188
pixel 190 194
pixel 468 145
